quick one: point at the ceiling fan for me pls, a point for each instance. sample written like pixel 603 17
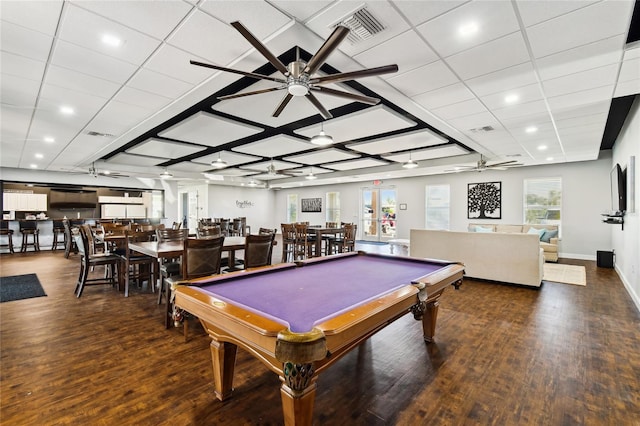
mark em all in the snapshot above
pixel 299 79
pixel 272 171
pixel 93 171
pixel 482 165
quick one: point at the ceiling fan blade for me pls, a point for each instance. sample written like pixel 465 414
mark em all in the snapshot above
pixel 352 75
pixel 502 164
pixel 260 47
pixel 246 74
pixel 283 103
pixel 289 172
pixel 316 103
pixel 329 45
pixel 255 92
pixel 360 98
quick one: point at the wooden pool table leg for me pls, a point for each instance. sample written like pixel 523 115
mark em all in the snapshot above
pixel 429 318
pixel 297 405
pixel 223 355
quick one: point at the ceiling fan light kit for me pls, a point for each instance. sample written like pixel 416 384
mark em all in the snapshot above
pixel 219 163
pixel 166 175
pixel 322 139
pixel 410 164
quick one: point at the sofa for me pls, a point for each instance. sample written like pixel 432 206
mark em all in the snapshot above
pixel 515 258
pixel 548 235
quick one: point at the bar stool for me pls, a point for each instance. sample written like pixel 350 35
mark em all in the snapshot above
pixel 6 232
pixel 58 229
pixel 29 227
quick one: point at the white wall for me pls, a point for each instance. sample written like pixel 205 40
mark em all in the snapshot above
pixel 625 242
pixel 586 194
pixel 253 203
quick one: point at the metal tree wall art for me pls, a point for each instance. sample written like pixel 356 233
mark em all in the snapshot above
pixel 484 200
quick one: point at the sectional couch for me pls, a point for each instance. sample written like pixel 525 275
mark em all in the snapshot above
pixel 515 258
pixel 548 235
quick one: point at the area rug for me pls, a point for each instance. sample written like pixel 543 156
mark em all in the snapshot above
pixel 19 287
pixel 566 274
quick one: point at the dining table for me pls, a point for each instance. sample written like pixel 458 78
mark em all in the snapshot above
pixel 318 232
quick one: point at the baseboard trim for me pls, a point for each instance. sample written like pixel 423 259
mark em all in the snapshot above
pixel 627 286
pixel 577 256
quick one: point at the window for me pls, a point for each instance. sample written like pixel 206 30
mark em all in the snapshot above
pixel 157 204
pixel 437 207
pixel 292 208
pixel 543 201
pixel 333 207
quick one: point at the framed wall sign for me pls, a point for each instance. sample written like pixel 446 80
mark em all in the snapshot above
pixel 403 206
pixel 484 200
pixel 311 205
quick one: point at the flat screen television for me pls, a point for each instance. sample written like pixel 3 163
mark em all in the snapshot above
pixel 618 189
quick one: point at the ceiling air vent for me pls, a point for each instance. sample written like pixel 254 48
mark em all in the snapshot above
pixel 363 25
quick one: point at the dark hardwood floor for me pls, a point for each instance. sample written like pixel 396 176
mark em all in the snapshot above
pixel 504 355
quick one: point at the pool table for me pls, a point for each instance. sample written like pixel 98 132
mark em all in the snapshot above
pixel 300 318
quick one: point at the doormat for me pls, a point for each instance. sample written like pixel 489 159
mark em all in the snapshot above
pixel 18 287
pixel 566 274
pixel 373 243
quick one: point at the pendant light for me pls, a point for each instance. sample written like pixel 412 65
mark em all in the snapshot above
pixel 311 176
pixel 410 164
pixel 219 163
pixel 166 174
pixel 322 138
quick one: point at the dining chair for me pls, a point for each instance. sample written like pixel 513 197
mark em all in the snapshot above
pixel 210 231
pixel 345 240
pixel 169 267
pixel 258 250
pixel 304 243
pixel 201 258
pixel 58 231
pixel 89 260
pixel 288 241
pixel 29 228
pixel 69 240
pixel 5 231
pixel 136 266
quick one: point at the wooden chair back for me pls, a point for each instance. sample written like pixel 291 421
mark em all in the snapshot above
pixel 171 234
pixel 209 232
pixel 202 257
pixel 258 250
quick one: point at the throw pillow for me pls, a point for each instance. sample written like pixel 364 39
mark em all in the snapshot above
pixel 546 237
pixel 483 229
pixel 539 232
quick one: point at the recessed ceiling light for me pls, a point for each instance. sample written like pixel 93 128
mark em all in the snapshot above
pixel 511 98
pixel 542 148
pixel 531 129
pixel 49 139
pixel 468 29
pixel 549 158
pixel 38 155
pixel 111 40
pixel 66 110
pixel 33 166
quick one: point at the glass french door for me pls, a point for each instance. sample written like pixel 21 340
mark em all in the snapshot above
pixel 378 214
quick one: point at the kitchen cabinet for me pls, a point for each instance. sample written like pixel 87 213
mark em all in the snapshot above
pixel 20 202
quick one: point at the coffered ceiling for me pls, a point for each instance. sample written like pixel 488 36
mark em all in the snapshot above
pixel 531 81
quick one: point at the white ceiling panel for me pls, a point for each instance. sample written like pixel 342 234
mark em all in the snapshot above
pixel 275 146
pixel 490 57
pixel 428 154
pixel 141 98
pixel 18 92
pixel 506 79
pixel 41 16
pixel 25 42
pixel 424 79
pixel 630 70
pixel 356 164
pixel 190 166
pixel 86 29
pixel 54 97
pixel 445 96
pixel 116 117
pixel 627 88
pixel 474 121
pixel 408 50
pixel 173 62
pixel 449 33
pixel 583 110
pixel 322 156
pixel 301 10
pixel 79 82
pixel 589 56
pixel 261 18
pixel 534 12
pixel 201 34
pixel 231 172
pixel 159 84
pixel 577 99
pixel 413 140
pixel 514 96
pixel 164 149
pixel 208 129
pixel 417 13
pixel 370 121
pixel 21 66
pixel 155 18
pixel 603 76
pixel 468 107
pixel 83 60
pixel 583 26
pixel 136 160
pixel 277 164
pixel 520 110
pixel 231 158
